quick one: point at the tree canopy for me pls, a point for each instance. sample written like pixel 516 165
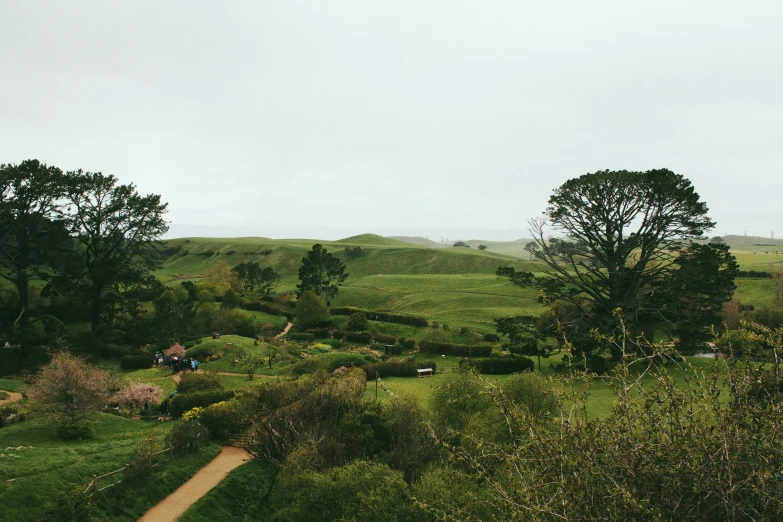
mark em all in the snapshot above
pixel 625 237
pixel 321 272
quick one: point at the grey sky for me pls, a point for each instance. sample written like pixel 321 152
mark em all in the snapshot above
pixel 318 119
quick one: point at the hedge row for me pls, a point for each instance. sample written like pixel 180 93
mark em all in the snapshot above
pixel 753 274
pixel 386 317
pixel 268 308
pixel 187 401
pixel 500 366
pixel 385 339
pixel 136 362
pixel 301 336
pixel 396 369
pixel 471 350
pixel 319 333
pixel 357 337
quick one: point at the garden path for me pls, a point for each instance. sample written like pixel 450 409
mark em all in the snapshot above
pixel 13 397
pixel 171 507
pixel 285 331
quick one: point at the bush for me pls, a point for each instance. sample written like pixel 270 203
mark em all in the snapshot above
pixel 396 369
pixel 307 366
pixel 499 366
pixel 319 333
pixel 75 430
pixel 187 436
pixel 394 349
pixel 203 352
pixel 136 362
pixel 357 322
pixel 224 418
pixel 383 338
pixel 183 402
pixel 71 505
pixel 409 344
pixel 334 343
pixel 304 337
pixel 233 321
pixel 470 350
pixel 386 317
pixel 198 382
pixel 11 414
pixel 357 337
pixel 491 337
pixel 532 390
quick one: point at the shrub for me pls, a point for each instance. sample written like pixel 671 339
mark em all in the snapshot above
pixel 137 395
pixel 409 344
pixel 71 505
pixel 75 430
pixel 499 366
pixel 357 322
pixel 199 382
pixel 310 310
pixel 532 390
pixel 136 362
pixel 334 343
pixel 319 333
pixel 383 338
pixel 475 350
pixel 233 321
pixel 386 317
pixel 183 402
pixel 224 418
pixel 396 369
pixel 187 436
pixel 491 337
pixel 307 366
pixel 357 337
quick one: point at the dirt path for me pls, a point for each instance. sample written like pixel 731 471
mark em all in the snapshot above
pixel 171 507
pixel 285 331
pixel 14 397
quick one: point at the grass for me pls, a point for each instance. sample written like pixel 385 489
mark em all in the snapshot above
pixel 46 464
pixel 239 494
pixel 14 385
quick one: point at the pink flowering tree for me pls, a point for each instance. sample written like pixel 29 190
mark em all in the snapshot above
pixel 70 388
pixel 136 394
pixel 176 350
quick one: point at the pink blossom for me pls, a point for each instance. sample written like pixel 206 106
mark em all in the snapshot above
pixel 136 394
pixel 176 350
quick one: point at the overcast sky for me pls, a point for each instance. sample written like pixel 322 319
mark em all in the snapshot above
pixel 326 118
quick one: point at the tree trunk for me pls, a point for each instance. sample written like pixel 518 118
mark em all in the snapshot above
pixel 23 289
pixel 95 313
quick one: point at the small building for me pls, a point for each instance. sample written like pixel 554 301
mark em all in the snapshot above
pixel 424 372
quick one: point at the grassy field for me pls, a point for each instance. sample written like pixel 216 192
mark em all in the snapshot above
pixel 36 465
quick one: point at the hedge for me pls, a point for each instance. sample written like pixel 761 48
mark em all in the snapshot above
pixel 357 337
pixel 500 366
pixel 136 362
pixel 385 339
pixel 260 306
pixel 301 336
pixel 396 369
pixel 386 317
pixel 186 401
pixel 319 333
pixel 471 350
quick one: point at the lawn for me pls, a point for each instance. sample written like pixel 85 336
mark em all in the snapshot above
pixel 36 464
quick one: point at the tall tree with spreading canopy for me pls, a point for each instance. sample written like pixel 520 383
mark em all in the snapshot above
pixel 118 231
pixel 624 238
pixel 31 225
pixel 321 272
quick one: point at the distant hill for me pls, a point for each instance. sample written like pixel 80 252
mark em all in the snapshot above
pixel 753 243
pixel 421 241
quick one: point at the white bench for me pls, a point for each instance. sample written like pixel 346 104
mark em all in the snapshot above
pixel 424 372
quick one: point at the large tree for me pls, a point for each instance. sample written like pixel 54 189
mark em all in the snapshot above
pixel 321 272
pixel 31 226
pixel 118 232
pixel 254 277
pixel 624 237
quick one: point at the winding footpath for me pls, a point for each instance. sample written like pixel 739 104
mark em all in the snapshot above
pixel 171 507
pixel 13 397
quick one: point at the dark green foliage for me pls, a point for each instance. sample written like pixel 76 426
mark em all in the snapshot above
pixel 767 316
pixel 233 321
pixel 198 382
pixel 353 251
pixel 383 338
pixel 629 242
pixel 491 337
pixel 230 299
pixel 75 430
pixel 396 369
pixel 223 419
pixel 386 317
pixel 268 308
pixel 357 322
pixel 533 391
pixel 321 273
pixel 461 244
pixel 301 336
pixel 187 436
pixel 71 505
pixel 482 247
pixel 499 366
pixel 359 491
pixel 409 344
pixel 310 310
pixel 308 366
pixel 254 277
pixel 320 333
pixel 136 362
pixel 183 402
pixel 470 350
pixel 357 337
